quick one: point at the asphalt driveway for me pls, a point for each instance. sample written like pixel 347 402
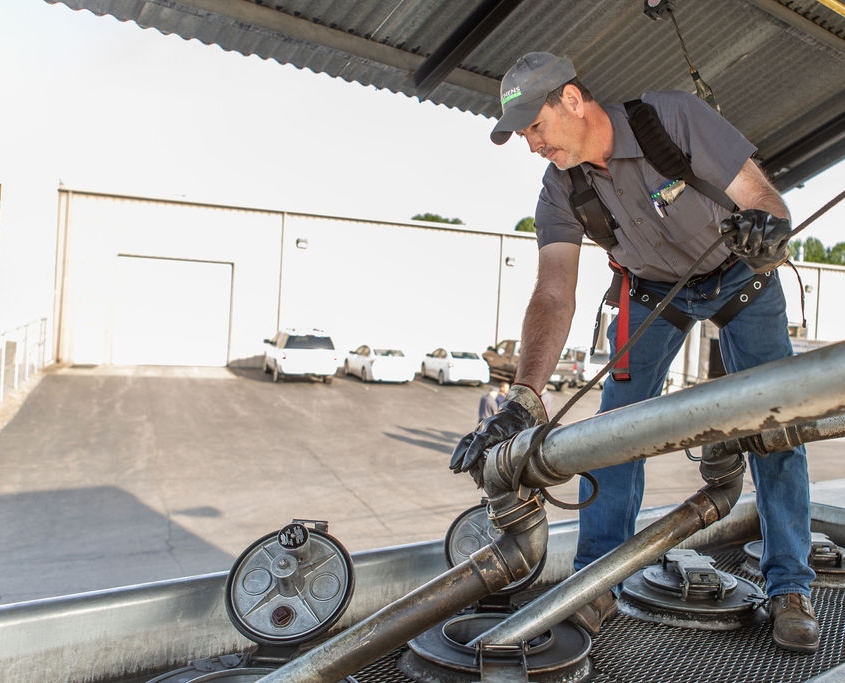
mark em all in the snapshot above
pixel 113 476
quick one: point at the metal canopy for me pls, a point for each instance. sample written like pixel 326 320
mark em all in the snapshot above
pixel 777 67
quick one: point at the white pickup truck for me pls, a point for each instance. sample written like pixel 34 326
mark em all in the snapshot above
pixel 301 353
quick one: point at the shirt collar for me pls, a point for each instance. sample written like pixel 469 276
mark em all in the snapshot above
pixel 625 145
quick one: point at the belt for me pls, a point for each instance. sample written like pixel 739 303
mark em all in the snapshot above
pixel 721 268
pixel 621 291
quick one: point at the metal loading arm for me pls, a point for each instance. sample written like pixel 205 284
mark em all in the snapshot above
pixel 728 408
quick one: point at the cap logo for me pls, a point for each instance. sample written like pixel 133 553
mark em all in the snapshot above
pixel 511 94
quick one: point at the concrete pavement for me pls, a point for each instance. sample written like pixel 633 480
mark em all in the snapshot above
pixel 112 476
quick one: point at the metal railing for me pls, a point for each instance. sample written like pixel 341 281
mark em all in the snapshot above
pixel 23 352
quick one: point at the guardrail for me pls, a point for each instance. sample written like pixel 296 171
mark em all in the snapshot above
pixel 23 352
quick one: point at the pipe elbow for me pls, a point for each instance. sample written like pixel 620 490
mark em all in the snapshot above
pixel 722 469
pixel 526 531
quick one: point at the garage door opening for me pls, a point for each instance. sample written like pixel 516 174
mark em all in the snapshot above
pixel 171 312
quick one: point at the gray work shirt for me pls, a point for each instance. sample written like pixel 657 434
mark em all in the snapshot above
pixel 652 246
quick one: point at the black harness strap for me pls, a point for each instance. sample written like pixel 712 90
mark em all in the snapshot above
pixel 671 314
pixel 663 153
pixel 753 288
pixel 599 224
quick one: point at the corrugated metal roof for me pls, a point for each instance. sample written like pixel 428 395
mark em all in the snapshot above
pixel 777 67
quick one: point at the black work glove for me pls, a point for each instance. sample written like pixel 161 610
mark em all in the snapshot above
pixel 760 239
pixel 521 409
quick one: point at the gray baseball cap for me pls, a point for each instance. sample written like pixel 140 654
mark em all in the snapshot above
pixel 525 88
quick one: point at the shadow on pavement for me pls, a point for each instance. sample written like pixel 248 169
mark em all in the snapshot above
pixel 75 540
pixel 432 439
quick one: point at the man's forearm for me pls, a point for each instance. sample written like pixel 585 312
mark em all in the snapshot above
pixel 752 190
pixel 544 332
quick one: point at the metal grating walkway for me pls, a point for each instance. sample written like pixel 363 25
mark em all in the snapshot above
pixel 633 651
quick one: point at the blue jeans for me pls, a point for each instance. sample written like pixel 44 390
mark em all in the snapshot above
pixel 758 334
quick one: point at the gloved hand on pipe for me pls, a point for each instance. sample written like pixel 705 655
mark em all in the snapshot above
pixel 758 238
pixel 521 409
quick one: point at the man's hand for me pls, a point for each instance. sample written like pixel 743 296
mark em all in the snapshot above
pixel 521 409
pixel 758 238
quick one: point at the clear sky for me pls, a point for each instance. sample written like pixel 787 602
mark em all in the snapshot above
pixel 104 106
pixel 109 106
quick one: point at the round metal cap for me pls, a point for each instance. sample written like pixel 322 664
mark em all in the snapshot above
pixel 825 559
pixel 688 592
pixel 442 654
pixel 287 594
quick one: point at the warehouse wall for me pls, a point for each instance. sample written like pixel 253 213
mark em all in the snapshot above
pixel 160 282
pixel 149 281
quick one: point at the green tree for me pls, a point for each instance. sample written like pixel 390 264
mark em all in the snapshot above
pixel 816 252
pixel 836 254
pixel 436 218
pixel 526 225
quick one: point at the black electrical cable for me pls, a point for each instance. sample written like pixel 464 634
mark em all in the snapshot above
pixel 704 91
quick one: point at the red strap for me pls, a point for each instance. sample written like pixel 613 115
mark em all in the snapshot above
pixel 621 371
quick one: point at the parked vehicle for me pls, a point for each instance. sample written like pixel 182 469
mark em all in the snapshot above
pixel 373 364
pixel 503 360
pixel 452 367
pixel 565 372
pixel 309 353
pixel 588 366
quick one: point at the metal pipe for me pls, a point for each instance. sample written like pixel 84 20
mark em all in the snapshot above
pixel 699 511
pixel 584 586
pixel 790 391
pixel 785 438
pixel 733 406
pixel 721 467
pixel 487 571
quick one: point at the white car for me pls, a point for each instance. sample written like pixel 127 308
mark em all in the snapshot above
pixel 566 372
pixel 379 364
pixel 451 367
pixel 309 353
pixel 588 366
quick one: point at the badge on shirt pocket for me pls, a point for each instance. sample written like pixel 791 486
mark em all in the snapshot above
pixel 666 194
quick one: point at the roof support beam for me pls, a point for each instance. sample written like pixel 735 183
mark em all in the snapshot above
pixel 463 40
pixel 809 156
pixel 795 20
pixel 206 18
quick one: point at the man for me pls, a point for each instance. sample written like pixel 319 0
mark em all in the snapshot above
pixel 489 403
pixel 504 387
pixel 657 238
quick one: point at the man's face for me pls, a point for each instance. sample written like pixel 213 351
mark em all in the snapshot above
pixel 557 134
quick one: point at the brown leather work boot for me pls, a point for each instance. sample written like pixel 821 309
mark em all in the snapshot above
pixel 794 623
pixel 591 616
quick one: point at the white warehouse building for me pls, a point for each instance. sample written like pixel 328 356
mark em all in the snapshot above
pixel 160 282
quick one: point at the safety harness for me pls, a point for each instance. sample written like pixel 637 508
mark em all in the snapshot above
pixel 599 224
